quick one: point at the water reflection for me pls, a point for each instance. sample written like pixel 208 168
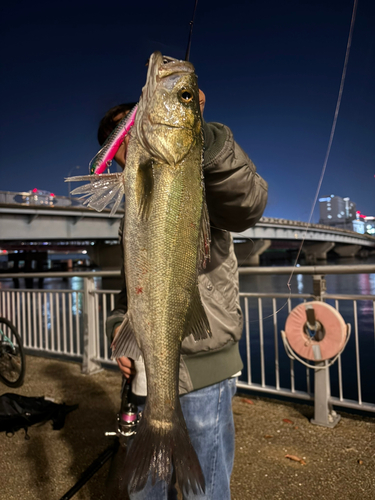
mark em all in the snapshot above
pixel 367 283
pixel 300 283
pixel 76 283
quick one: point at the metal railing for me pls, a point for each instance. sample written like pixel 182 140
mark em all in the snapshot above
pixel 71 323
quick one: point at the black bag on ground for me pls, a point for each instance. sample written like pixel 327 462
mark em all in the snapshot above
pixel 20 412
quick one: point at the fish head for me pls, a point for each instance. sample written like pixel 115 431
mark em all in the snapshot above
pixel 169 122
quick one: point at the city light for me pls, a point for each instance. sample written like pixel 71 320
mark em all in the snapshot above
pixel 341 212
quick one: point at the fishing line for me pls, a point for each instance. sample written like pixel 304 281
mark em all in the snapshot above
pixel 343 76
pixel 333 129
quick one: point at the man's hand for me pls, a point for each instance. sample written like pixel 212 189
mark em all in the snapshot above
pixel 126 366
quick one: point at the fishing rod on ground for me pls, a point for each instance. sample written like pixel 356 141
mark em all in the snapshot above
pixel 127 423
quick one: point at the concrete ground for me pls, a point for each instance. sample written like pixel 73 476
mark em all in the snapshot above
pixel 335 463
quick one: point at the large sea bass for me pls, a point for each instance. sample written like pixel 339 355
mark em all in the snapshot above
pixel 166 240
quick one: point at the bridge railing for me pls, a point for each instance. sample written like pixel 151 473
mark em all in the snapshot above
pixel 70 324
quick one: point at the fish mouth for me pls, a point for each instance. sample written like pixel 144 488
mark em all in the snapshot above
pixel 168 125
pixel 162 66
pixel 168 59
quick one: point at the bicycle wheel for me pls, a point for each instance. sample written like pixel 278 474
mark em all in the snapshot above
pixel 12 358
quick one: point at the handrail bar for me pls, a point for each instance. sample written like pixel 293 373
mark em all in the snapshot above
pixel 50 290
pixel 345 296
pixel 322 270
pixel 309 270
pixel 277 295
pixel 66 274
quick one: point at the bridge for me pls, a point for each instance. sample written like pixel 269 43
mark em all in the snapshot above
pixel 70 221
pixel 318 239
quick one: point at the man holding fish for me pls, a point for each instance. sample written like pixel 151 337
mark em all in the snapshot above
pixel 178 322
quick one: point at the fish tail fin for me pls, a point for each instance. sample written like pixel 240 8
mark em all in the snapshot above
pixel 156 450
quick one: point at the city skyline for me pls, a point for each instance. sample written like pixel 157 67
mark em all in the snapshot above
pixel 270 72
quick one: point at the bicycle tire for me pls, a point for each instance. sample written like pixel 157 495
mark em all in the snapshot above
pixel 12 358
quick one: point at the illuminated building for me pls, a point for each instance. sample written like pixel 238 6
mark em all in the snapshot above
pixel 337 211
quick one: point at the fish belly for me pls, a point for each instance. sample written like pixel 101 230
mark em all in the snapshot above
pixel 161 262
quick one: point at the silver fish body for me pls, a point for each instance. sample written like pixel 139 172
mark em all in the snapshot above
pixel 166 240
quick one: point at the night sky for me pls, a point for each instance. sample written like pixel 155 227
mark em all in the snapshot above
pixel 271 71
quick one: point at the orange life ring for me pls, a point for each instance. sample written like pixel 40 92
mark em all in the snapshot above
pixel 333 326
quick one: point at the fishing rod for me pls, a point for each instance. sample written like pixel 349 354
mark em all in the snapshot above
pixel 127 422
pixel 187 55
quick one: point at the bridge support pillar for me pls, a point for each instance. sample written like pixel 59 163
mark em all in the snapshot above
pixel 347 250
pixel 317 251
pixel 105 256
pixel 248 253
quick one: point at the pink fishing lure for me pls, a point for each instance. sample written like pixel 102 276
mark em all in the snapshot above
pixel 105 156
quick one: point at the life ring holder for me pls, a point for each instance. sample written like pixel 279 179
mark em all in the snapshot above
pixel 317 332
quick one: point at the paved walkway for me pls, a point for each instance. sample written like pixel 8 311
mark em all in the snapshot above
pixel 337 463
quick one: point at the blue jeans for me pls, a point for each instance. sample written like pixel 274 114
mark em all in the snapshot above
pixel 209 419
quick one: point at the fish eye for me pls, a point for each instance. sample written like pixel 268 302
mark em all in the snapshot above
pixel 186 95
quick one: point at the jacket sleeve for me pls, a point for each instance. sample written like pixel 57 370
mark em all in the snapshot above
pixel 236 195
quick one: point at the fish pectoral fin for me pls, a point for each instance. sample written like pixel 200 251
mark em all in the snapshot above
pixel 144 186
pixel 198 325
pixel 125 343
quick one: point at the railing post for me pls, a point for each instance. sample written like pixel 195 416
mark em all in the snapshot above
pixel 319 286
pixel 324 413
pixel 89 362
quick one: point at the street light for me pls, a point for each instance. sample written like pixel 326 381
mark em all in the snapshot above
pixel 69 175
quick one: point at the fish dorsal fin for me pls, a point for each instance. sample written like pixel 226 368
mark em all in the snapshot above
pixel 101 190
pixel 125 343
pixel 205 238
pixel 198 324
pixel 144 186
